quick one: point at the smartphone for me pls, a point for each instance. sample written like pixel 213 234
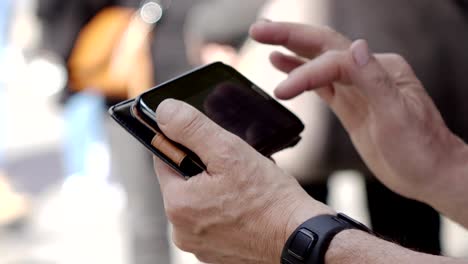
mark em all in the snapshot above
pixel 226 97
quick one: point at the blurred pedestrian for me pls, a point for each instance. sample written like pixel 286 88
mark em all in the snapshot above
pixel 13 205
pixel 107 47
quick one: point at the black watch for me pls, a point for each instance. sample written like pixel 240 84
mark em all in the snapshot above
pixel 309 242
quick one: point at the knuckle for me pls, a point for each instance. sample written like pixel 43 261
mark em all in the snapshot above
pixel 404 69
pixel 191 123
pixel 399 63
pixel 230 151
pixel 398 68
pixel 180 242
pixel 175 212
pixel 237 159
pixel 381 79
pixel 172 214
pixel 335 39
pixel 228 145
pixel 327 28
pixel 203 257
pixel 334 54
pixel 330 32
pixel 397 58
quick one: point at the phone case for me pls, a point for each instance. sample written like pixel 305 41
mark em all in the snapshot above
pixel 122 114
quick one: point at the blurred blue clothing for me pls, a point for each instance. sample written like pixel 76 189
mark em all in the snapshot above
pixel 84 127
pixel 3 120
pixel 5 9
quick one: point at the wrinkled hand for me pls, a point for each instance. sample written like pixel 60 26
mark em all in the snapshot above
pixel 242 208
pixel 391 120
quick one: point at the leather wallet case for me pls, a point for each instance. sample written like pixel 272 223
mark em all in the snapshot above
pixel 122 114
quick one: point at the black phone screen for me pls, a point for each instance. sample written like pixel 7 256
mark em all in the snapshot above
pixel 233 102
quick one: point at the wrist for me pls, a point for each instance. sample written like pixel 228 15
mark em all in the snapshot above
pixel 304 209
pixel 302 213
pixel 355 246
pixel 447 191
pixel 449 165
pixel 342 248
pixel 456 162
pixel 437 163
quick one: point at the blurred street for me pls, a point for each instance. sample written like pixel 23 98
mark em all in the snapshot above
pixel 73 220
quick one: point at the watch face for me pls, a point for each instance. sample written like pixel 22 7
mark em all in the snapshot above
pixel 301 244
pixel 310 241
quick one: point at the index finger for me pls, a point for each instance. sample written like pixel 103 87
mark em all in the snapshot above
pixel 305 40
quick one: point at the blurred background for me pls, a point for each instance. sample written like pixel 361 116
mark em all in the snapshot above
pixel 76 188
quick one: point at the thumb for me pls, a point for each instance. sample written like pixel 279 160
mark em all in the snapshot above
pixel 368 75
pixel 186 125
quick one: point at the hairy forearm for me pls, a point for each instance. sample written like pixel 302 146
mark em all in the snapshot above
pixel 354 246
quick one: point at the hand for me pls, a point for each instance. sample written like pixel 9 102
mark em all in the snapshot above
pixel 242 208
pixel 391 120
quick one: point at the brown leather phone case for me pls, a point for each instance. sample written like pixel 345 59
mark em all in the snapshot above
pixel 122 114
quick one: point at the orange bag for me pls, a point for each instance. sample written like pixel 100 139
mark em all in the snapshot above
pixel 112 55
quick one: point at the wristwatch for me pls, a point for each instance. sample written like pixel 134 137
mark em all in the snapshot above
pixel 310 241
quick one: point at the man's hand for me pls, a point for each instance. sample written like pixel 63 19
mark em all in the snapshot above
pixel 242 208
pixel 391 120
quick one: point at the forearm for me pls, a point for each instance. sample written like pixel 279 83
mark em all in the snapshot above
pixel 449 192
pixel 353 246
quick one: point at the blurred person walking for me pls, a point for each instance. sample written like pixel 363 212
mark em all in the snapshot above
pixel 13 205
pixel 216 30
pixel 108 49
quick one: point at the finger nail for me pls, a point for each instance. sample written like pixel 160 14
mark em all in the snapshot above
pixel 259 23
pixel 361 54
pixel 166 110
pixel 280 90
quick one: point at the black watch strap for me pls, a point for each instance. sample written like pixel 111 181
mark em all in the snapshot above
pixel 310 241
